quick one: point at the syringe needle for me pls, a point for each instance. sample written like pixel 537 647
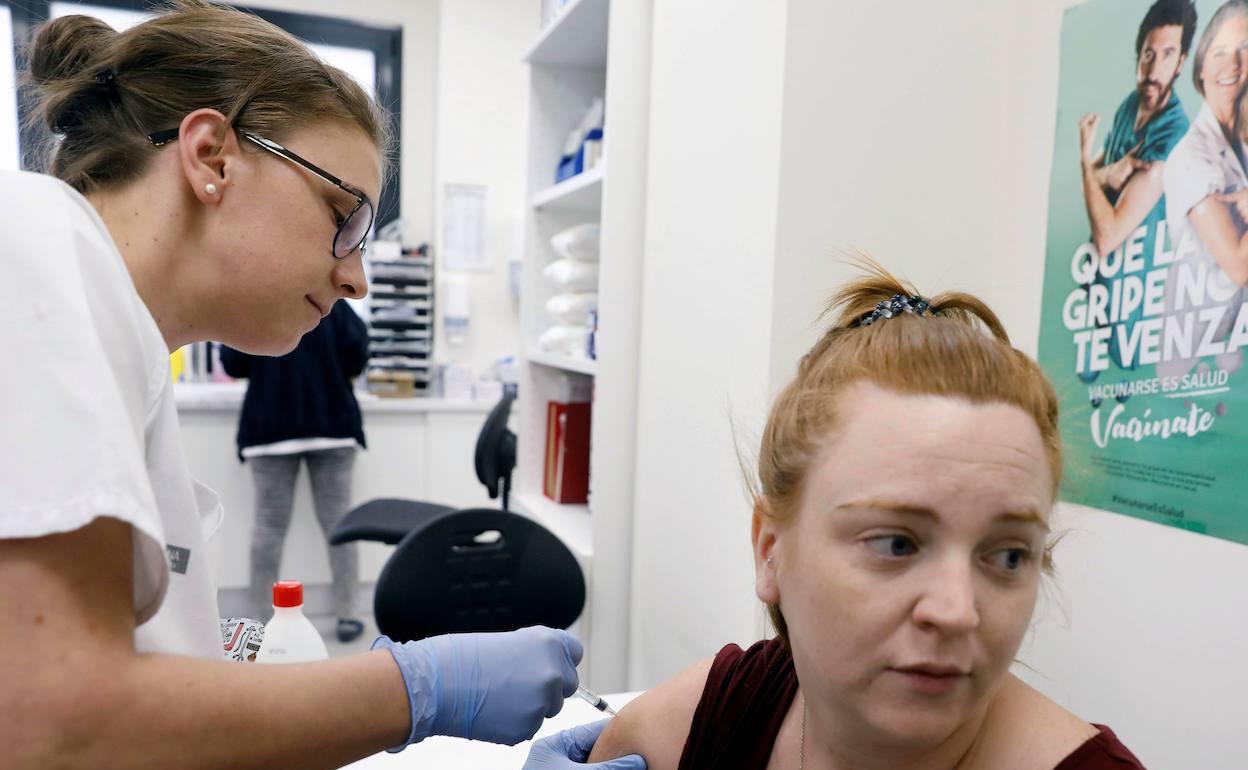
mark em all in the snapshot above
pixel 594 700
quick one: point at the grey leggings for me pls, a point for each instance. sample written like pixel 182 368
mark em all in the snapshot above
pixel 274 475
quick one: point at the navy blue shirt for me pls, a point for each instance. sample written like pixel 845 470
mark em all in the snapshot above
pixel 306 393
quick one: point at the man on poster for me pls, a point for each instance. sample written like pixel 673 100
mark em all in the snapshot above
pixel 1123 184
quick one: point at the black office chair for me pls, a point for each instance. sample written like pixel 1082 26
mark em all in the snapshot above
pixel 468 570
pixel 388 519
pixel 477 570
pixel 495 457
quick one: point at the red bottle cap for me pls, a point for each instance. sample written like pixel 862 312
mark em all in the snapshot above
pixel 287 593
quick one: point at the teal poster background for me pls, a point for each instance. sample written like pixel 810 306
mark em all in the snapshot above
pixel 1146 441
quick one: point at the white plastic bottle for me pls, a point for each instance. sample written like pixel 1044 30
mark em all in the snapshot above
pixel 290 637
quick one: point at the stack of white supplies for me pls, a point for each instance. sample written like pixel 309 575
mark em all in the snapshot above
pixel 575 277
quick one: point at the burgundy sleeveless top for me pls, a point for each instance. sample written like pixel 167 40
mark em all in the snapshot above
pixel 746 697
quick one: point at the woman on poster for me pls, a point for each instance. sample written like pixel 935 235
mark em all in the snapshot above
pixel 1207 192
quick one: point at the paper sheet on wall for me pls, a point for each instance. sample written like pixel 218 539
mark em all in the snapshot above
pixel 463 227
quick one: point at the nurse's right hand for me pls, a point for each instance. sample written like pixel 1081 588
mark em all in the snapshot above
pixel 486 687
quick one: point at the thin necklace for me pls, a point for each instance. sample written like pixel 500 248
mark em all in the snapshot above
pixel 801 747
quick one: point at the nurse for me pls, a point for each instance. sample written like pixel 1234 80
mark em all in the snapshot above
pixel 210 178
pixel 1204 178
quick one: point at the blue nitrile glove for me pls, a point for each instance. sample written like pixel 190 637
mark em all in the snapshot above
pixel 486 687
pixel 568 749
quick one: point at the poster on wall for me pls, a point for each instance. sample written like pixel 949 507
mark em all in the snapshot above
pixel 1145 317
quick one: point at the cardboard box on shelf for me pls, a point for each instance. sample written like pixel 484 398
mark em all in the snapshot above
pixel 392 384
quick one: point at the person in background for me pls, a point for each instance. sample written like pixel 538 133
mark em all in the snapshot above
pixel 1204 178
pixel 900 531
pixel 1123 183
pixel 300 409
pixel 190 197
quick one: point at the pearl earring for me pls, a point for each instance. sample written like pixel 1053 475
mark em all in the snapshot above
pixel 771 559
pixel 210 188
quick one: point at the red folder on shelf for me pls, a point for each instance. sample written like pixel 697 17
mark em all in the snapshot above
pixel 567 452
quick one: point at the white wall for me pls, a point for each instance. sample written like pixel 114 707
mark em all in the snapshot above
pixel 923 133
pixel 705 339
pixel 892 144
pixel 482 84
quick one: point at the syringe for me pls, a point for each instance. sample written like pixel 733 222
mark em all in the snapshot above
pixel 594 700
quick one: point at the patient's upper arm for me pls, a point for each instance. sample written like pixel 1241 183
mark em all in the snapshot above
pixel 656 724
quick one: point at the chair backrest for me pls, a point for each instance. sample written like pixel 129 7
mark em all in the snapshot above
pixel 477 570
pixel 495 456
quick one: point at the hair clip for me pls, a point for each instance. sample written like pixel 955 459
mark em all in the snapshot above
pixel 107 82
pixel 105 93
pixel 899 304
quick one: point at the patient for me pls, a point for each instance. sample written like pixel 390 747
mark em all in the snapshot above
pixel 906 477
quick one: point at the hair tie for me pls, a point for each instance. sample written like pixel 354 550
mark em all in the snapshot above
pixel 104 93
pixel 107 80
pixel 896 306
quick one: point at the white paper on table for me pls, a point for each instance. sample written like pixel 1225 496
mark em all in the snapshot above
pixel 463 227
pixel 456 754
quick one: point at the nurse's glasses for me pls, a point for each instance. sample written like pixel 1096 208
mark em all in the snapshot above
pixel 353 228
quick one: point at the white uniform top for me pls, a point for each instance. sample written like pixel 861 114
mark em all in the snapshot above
pixel 88 426
pixel 1201 164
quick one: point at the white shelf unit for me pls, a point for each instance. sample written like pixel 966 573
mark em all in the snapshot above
pixel 582 193
pixel 566 363
pixel 576 37
pixel 592 49
pixel 570 522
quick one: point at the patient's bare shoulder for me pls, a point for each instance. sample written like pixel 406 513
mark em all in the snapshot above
pixel 1028 731
pixel 656 724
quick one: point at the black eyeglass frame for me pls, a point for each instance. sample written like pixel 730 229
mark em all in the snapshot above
pixel 160 138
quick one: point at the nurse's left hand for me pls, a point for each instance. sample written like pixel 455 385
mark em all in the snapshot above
pixel 568 749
